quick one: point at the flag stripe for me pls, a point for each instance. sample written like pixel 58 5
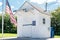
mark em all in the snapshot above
pixel 9 11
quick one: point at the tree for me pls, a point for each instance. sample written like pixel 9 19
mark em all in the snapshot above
pixel 0 23
pixel 8 26
pixel 55 20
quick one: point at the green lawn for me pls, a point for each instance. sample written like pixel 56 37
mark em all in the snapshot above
pixel 15 35
pixel 8 35
pixel 56 36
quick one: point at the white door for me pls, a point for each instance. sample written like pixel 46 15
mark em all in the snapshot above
pixel 26 31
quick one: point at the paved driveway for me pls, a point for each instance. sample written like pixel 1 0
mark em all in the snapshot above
pixel 31 39
pixel 25 39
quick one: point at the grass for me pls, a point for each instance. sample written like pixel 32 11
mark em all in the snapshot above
pixel 0 35
pixel 56 36
pixel 8 35
pixel 14 35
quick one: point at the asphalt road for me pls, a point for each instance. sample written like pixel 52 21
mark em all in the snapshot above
pixel 25 39
pixel 15 38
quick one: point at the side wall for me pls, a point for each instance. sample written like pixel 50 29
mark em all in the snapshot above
pixel 39 31
pixel 43 30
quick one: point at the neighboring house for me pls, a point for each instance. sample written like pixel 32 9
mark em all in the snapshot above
pixel 33 21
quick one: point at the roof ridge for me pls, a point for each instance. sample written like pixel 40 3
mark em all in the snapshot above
pixel 38 9
pixel 34 6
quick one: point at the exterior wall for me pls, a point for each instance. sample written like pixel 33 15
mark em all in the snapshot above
pixel 42 30
pixel 39 31
pixel 27 18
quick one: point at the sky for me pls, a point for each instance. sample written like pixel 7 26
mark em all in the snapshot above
pixel 16 4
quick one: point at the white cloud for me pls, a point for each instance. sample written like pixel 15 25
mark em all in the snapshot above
pixel 41 1
pixel 51 0
pixel 58 0
pixel 12 7
pixel 0 11
pixel 1 3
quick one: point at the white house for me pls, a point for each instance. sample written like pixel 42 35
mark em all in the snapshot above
pixel 33 21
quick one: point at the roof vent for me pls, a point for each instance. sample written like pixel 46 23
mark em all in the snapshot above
pixel 25 9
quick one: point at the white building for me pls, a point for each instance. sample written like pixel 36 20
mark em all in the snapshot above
pixel 33 21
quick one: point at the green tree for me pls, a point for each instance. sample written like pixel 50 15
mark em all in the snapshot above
pixel 7 23
pixel 55 21
pixel 0 23
pixel 8 26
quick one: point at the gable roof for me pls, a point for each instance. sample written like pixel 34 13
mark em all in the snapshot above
pixel 36 7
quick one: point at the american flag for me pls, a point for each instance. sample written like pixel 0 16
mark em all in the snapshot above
pixel 9 11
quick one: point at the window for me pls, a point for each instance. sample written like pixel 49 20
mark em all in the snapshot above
pixel 31 24
pixel 34 23
pixel 43 20
pixel 25 10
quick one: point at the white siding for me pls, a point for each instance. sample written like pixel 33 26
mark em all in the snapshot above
pixel 39 31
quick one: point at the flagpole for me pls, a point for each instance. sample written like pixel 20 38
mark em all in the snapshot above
pixel 3 19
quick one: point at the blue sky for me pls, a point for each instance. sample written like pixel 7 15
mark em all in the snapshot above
pixel 15 4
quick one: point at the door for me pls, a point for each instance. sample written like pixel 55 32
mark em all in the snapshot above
pixel 26 29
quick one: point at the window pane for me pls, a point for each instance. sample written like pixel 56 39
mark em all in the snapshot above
pixel 43 20
pixel 34 23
